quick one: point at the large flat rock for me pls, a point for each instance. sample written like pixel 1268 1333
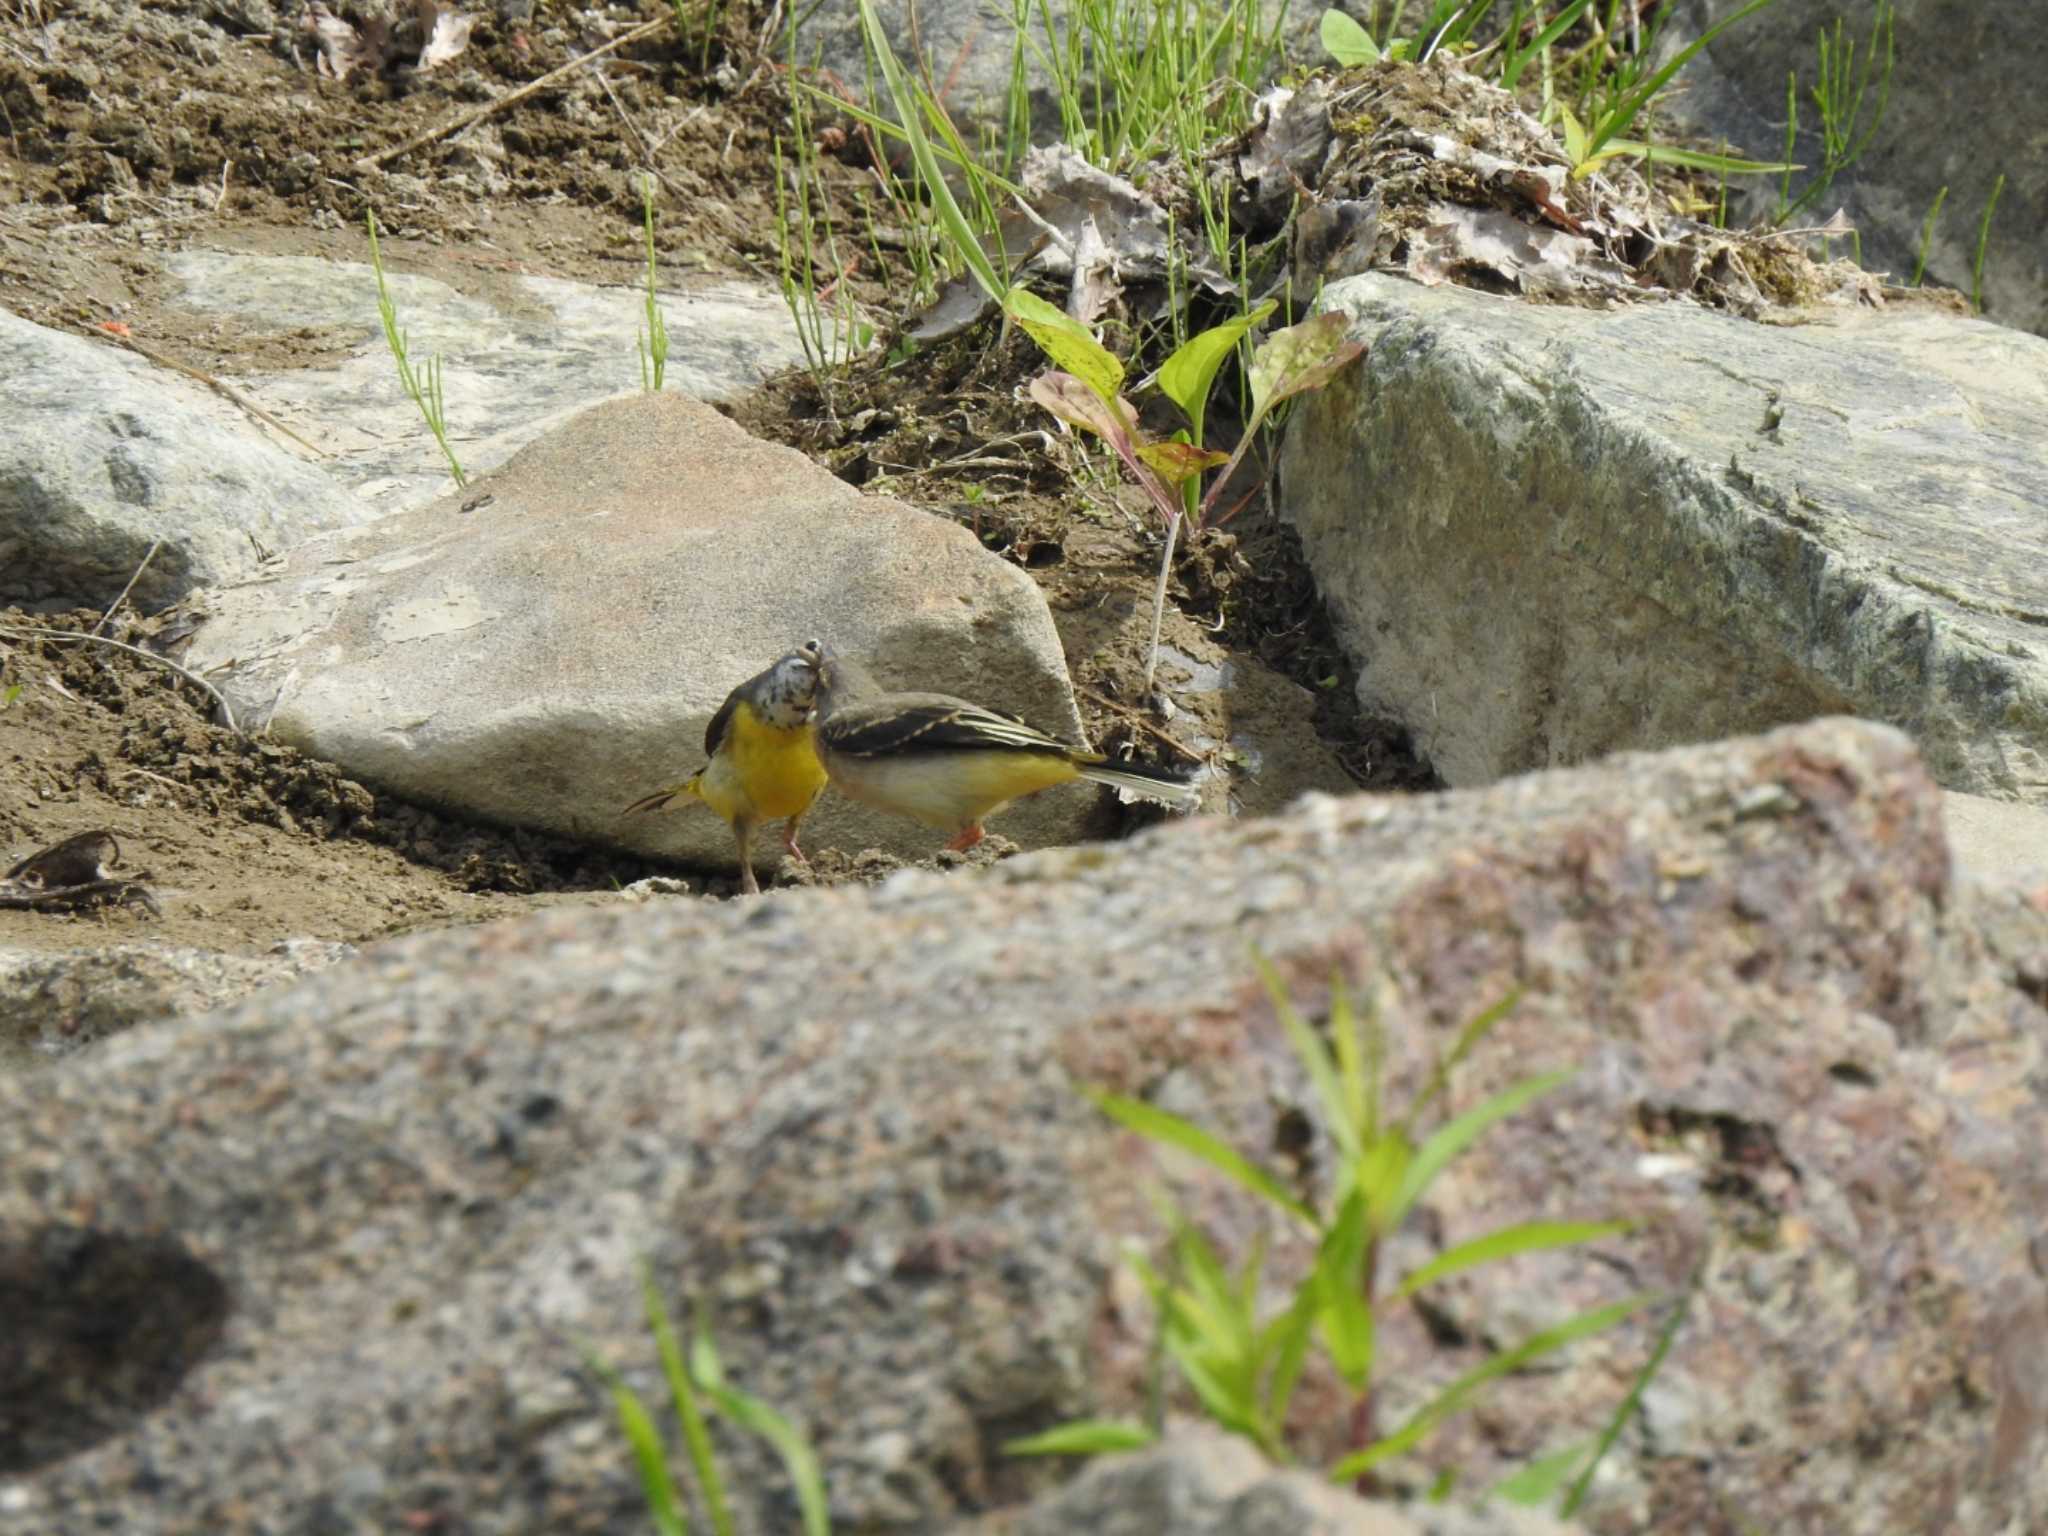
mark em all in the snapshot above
pixel 1552 533
pixel 549 645
pixel 520 354
pixel 328 1260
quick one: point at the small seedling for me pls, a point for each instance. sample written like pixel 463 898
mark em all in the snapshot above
pixel 1085 393
pixel 424 386
pixel 704 1376
pixel 1983 241
pixel 1243 1364
pixel 1838 96
pixel 653 341
pixel 1927 236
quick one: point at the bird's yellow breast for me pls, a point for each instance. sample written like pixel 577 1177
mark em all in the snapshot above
pixel 763 772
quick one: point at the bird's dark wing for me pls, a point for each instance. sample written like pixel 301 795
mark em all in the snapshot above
pixel 929 722
pixel 714 733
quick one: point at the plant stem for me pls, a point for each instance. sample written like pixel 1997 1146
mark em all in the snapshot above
pixel 1159 598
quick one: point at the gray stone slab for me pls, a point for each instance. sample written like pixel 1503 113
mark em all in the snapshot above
pixel 535 352
pixel 1549 533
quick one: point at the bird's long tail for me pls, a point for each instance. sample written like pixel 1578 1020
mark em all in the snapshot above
pixel 1156 784
pixel 666 796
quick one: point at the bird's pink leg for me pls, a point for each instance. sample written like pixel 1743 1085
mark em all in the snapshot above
pixel 967 839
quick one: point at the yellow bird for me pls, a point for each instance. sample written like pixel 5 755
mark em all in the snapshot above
pixel 948 763
pixel 763 758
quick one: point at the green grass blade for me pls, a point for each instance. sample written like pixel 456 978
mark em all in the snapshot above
pixel 909 117
pixel 1536 1483
pixel 1983 243
pixel 1172 1131
pixel 1342 1310
pixel 1625 1410
pixel 650 1457
pixel 1476 1029
pixel 1697 159
pixel 1559 25
pixel 1082 1437
pixel 1454 1136
pixel 696 1436
pixel 1525 1237
pixel 757 1418
pixel 1315 1061
pixel 1454 1397
pixel 1617 119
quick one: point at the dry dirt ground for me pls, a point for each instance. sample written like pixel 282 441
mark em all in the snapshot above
pixel 130 128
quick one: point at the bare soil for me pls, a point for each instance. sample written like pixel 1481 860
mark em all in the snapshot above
pixel 134 128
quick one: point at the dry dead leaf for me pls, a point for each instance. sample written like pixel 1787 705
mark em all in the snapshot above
pixel 447 34
pixel 341 46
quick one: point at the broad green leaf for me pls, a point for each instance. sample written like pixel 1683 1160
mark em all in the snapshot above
pixel 1172 1131
pixel 1315 1060
pixel 1300 357
pixel 1175 462
pixel 1454 1136
pixel 1082 1437
pixel 1537 1482
pixel 1346 41
pixel 929 175
pixel 1574 138
pixel 1189 375
pixel 1527 1237
pixel 1454 1397
pixel 1070 344
pixel 1079 406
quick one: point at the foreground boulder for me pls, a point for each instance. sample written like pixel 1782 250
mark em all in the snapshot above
pixel 329 1259
pixel 548 645
pixel 1550 533
pixel 103 454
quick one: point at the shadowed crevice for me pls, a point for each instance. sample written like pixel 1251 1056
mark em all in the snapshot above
pixel 100 1327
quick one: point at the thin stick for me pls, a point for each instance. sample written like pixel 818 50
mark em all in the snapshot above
pixel 1130 716
pixel 462 120
pixel 1159 601
pixel 117 602
pixel 226 391
pixel 226 713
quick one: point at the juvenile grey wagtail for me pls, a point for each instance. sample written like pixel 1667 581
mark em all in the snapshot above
pixel 949 763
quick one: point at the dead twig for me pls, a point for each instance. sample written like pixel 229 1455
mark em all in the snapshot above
pixel 117 602
pixel 1130 716
pixel 226 391
pixel 227 713
pixel 462 120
